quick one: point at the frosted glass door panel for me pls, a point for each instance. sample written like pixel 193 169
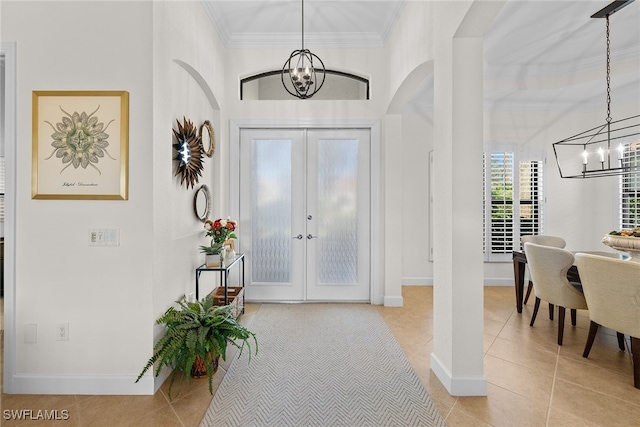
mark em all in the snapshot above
pixel 271 216
pixel 338 208
pixel 337 211
pixel 272 213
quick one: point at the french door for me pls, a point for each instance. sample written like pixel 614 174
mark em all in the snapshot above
pixel 305 214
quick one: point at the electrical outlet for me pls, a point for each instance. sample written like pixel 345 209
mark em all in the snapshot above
pixel 62 333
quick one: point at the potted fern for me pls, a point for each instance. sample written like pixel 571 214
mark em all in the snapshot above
pixel 197 335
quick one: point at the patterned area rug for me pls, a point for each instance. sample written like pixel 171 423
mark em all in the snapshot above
pixel 322 365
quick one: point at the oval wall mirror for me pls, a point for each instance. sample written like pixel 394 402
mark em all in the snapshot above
pixel 208 139
pixel 202 203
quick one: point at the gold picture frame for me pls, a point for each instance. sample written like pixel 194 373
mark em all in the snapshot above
pixel 80 145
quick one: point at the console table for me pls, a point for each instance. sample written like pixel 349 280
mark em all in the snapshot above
pixel 224 275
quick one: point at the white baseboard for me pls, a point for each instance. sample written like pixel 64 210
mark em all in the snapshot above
pixel 90 384
pixel 428 281
pixel 458 386
pixel 393 301
pixel 499 282
pixel 417 281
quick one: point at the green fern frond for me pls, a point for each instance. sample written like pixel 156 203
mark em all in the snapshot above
pixel 198 328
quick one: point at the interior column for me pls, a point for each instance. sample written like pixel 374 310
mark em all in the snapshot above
pixel 457 358
pixel 393 211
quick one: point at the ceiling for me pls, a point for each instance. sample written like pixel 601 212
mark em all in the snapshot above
pixel 536 52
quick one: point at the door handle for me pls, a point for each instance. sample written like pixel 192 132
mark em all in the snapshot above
pixel 299 237
pixel 309 236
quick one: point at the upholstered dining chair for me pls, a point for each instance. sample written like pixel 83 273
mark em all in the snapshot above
pixel 612 290
pixel 540 239
pixel 548 267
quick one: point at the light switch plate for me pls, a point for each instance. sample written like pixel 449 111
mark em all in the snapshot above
pixel 104 237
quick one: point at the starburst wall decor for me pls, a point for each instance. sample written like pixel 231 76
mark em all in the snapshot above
pixel 188 148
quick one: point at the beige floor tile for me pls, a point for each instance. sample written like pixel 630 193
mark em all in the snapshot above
pixel 436 390
pixel 532 356
pixel 497 312
pixel 111 411
pixel 529 337
pixel 183 389
pixel 487 342
pixel 504 408
pixel 599 408
pixel 165 417
pixel 559 418
pixel 604 353
pixel 493 327
pixel 443 408
pixel 421 364
pixel 191 409
pixel 519 379
pixel 599 379
pixel 458 418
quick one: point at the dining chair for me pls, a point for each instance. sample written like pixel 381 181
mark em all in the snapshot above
pixel 612 290
pixel 548 267
pixel 541 239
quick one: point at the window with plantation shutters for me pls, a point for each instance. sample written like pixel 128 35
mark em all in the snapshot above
pixel 630 189
pixel 513 199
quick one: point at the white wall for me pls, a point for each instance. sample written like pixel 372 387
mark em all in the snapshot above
pixel 188 81
pixel 417 143
pixel 103 292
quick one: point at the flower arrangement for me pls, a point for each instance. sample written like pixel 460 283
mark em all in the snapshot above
pixel 220 231
pixel 632 232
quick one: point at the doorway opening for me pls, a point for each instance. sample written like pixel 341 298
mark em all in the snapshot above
pixel 305 213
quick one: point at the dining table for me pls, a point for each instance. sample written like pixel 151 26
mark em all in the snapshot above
pixel 520 265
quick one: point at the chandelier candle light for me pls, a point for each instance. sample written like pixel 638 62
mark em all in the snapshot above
pixel 305 71
pixel 607 150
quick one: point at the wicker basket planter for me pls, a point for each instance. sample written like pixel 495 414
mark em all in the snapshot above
pixel 199 367
pixel 236 298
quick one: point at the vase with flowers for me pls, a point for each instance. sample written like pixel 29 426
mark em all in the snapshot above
pixel 220 230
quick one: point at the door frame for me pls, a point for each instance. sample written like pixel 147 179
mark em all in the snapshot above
pixel 376 236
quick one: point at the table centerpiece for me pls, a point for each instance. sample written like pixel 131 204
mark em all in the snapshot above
pixel 625 240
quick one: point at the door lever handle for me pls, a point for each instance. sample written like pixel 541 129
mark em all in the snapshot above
pixel 299 237
pixel 309 236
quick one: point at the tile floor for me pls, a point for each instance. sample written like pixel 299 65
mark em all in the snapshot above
pixel 532 381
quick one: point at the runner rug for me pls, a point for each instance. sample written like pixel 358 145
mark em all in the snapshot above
pixel 322 365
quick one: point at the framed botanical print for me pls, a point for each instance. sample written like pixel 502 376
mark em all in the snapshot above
pixel 80 145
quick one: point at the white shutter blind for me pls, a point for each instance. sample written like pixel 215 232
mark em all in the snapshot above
pixel 514 201
pixel 531 198
pixel 501 202
pixel 630 189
